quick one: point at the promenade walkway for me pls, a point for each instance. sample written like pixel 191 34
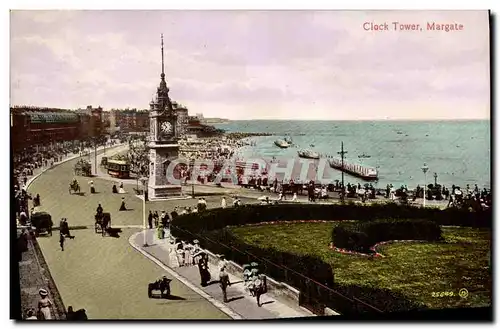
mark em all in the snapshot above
pixel 240 306
pixel 34 275
pixel 106 275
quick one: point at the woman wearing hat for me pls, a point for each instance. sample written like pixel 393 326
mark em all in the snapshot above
pixel 123 207
pixel 223 277
pixel 121 190
pixel 196 249
pixel 44 305
pixel 203 268
pixel 188 254
pixel 180 253
pixel 247 274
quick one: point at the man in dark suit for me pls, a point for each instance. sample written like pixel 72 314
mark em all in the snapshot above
pixel 150 219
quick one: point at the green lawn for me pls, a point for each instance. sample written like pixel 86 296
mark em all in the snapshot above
pixel 415 270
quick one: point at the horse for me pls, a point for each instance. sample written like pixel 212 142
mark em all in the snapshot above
pixel 162 285
pixel 73 186
pixel 79 315
pixel 103 220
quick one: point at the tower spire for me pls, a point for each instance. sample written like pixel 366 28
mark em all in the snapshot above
pixel 162 60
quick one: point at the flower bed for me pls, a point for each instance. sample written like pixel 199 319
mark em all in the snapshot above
pixel 209 227
pixel 279 222
pixel 362 238
pixel 373 248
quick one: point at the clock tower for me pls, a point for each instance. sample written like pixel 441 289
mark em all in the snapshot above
pixel 163 141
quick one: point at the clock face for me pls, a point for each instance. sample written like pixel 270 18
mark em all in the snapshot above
pixel 166 127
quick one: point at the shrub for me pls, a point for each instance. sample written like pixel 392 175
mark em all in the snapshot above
pixel 361 236
pixel 215 219
pixel 208 227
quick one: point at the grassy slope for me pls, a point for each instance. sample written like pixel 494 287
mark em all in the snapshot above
pixel 415 270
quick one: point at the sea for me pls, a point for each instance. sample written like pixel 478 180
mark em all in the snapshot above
pixel 456 152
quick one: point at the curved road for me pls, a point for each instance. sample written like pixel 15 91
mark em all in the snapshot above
pixel 106 276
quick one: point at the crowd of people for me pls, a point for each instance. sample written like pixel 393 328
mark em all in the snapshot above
pixel 185 253
pixel 25 164
pixel 26 161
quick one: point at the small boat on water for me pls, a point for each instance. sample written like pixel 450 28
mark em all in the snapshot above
pixel 399 132
pixel 312 145
pixel 281 143
pixel 308 154
pixel 364 156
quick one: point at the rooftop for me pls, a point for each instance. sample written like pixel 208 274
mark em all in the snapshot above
pixel 52 117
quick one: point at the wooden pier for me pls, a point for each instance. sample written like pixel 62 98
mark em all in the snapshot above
pixel 365 173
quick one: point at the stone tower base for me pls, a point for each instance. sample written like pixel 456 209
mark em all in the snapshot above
pixel 164 192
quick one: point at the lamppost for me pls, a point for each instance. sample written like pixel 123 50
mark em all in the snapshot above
pixel 192 187
pixel 95 155
pixel 144 181
pixel 342 153
pixel 424 169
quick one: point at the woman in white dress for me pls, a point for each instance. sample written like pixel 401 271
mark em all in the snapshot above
pixel 179 249
pixel 121 190
pixel 174 262
pixel 44 304
pixel 188 255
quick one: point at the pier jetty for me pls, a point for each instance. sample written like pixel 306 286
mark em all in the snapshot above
pixel 365 173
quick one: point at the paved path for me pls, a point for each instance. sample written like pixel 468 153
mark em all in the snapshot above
pixel 241 304
pixel 33 275
pixel 106 276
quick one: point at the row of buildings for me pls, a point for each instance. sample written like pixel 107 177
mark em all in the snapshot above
pixel 133 120
pixel 32 125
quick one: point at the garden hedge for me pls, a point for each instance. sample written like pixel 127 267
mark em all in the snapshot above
pixel 209 227
pixel 361 236
pixel 215 219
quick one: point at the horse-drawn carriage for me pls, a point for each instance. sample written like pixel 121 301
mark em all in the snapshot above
pixel 102 222
pixel 163 285
pixel 42 222
pixel 83 168
pixel 74 187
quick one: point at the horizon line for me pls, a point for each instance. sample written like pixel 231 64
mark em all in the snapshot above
pixel 426 119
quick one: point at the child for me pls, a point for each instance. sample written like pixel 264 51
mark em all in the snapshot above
pixel 61 240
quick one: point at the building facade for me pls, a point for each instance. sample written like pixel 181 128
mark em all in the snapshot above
pixel 92 121
pixel 182 118
pixel 129 120
pixel 32 125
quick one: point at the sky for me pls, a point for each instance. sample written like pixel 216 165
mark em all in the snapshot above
pixel 303 65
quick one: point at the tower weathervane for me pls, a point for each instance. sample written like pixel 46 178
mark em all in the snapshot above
pixel 162 61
